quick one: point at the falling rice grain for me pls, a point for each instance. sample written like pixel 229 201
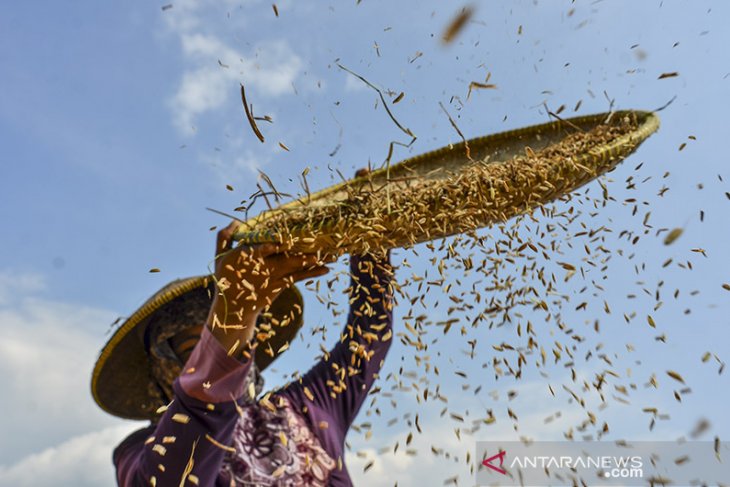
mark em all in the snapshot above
pixel 674 375
pixel 673 236
pixel 673 74
pixel 480 86
pixel 457 25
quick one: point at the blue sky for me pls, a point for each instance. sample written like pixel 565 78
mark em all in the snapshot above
pixel 120 123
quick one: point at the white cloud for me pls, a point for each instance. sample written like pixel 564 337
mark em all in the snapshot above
pixel 269 71
pixel 532 403
pixel 213 69
pixel 248 162
pixel 237 169
pixel 190 15
pixel 426 468
pixel 203 48
pixel 183 16
pixel 352 84
pixel 82 461
pixel 200 90
pixel 46 359
pixel 12 283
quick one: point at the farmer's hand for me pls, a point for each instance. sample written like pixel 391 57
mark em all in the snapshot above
pixel 249 278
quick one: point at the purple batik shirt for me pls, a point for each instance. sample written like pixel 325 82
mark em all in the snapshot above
pixel 193 442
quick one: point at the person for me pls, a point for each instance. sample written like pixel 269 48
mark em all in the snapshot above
pixel 217 428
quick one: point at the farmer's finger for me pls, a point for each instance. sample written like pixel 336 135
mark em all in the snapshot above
pixel 282 265
pixel 309 274
pixel 225 237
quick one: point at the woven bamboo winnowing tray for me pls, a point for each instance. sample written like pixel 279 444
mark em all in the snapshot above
pixel 454 189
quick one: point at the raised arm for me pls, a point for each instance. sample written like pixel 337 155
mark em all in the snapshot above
pixel 194 434
pixel 336 387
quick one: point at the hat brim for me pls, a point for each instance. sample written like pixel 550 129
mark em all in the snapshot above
pixel 122 373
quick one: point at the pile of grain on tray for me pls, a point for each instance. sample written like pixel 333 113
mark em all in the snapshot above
pixel 383 215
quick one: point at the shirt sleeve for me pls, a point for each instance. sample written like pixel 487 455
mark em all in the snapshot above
pixel 336 387
pixel 189 442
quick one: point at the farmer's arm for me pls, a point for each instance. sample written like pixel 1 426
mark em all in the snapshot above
pixel 195 432
pixel 192 435
pixel 336 387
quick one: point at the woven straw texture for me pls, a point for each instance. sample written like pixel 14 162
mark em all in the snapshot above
pixel 119 382
pixel 456 189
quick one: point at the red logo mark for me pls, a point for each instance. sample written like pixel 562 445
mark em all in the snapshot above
pixel 488 462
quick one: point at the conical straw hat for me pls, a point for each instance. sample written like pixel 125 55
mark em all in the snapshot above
pixel 119 382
